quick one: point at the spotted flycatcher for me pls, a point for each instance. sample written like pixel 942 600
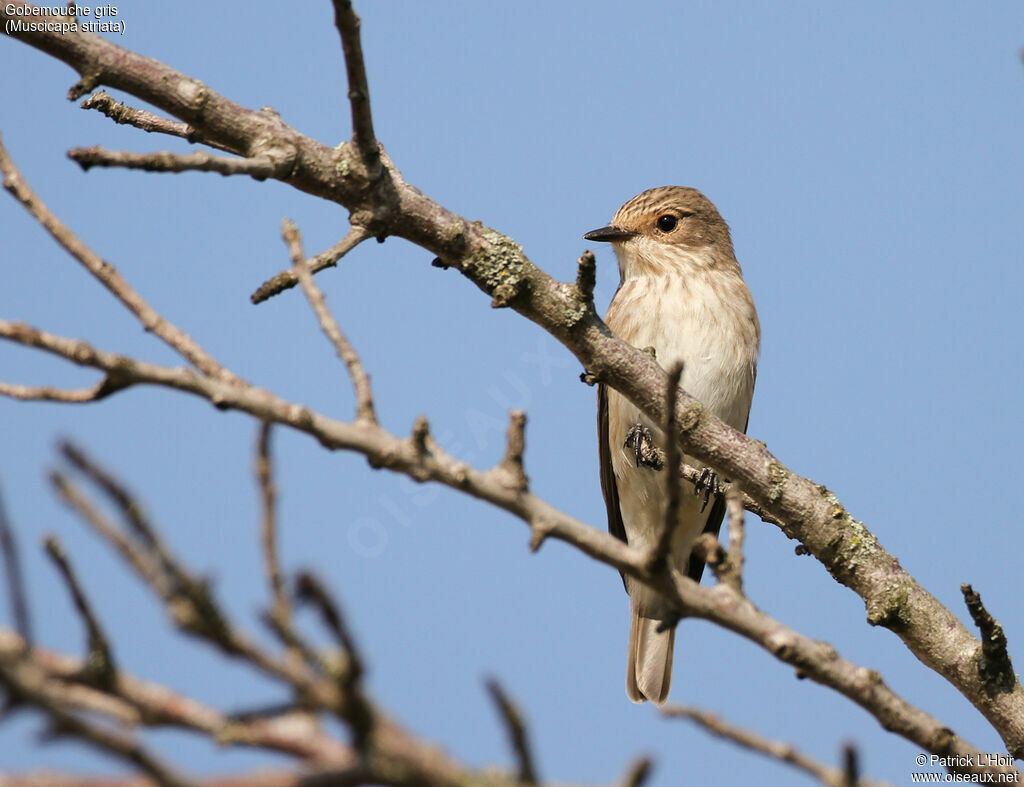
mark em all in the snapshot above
pixel 680 292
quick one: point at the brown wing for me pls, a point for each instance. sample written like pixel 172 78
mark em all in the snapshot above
pixel 608 486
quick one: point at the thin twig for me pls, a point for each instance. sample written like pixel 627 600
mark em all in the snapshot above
pixel 516 728
pixel 286 279
pixel 107 275
pixel 347 22
pixel 166 161
pixel 638 773
pixel 673 460
pixel 133 702
pixel 101 666
pixel 15 579
pixel 851 766
pixel 342 346
pixel 993 660
pixel 45 393
pixel 737 533
pixel 125 747
pixel 511 464
pixel 141 119
pixel 777 750
pixel 355 708
pixel 280 608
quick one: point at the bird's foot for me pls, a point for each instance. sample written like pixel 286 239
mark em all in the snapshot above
pixel 707 484
pixel 641 442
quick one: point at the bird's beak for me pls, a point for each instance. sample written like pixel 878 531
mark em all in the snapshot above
pixel 610 233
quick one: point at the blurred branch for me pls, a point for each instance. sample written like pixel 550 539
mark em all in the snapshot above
pixel 16 592
pixel 280 608
pixel 776 750
pixel 100 665
pixel 516 728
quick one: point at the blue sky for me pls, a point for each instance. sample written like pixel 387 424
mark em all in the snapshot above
pixel 869 161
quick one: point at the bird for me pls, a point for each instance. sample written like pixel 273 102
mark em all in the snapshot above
pixel 681 295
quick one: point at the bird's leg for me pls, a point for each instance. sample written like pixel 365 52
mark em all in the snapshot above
pixel 707 482
pixel 641 442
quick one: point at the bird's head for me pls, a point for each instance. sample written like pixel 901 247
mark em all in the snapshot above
pixel 667 227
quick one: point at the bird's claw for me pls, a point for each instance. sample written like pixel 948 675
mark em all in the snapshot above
pixel 641 442
pixel 708 484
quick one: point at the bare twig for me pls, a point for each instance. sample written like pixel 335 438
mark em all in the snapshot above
pixel 511 464
pixel 101 667
pixel 326 259
pixel 993 660
pixel 342 346
pixel 516 728
pixel 166 161
pixel 737 532
pixel 107 275
pixel 141 119
pixel 851 766
pixel 673 460
pixel 355 709
pixel 777 750
pixel 280 608
pixel 586 277
pixel 638 773
pixel 125 747
pixel 347 22
pixel 43 393
pixel 18 598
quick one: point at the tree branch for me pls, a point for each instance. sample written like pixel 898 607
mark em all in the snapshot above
pixel 342 346
pixel 141 119
pixel 280 608
pixel 805 510
pixel 720 604
pixel 106 274
pixel 166 161
pixel 101 667
pixel 516 728
pixel 326 259
pixel 776 750
pixel 347 22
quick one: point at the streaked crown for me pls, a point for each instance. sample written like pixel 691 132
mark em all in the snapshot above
pixel 676 215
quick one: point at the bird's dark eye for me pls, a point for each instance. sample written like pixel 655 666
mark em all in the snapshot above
pixel 667 223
